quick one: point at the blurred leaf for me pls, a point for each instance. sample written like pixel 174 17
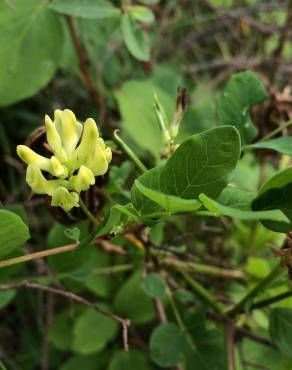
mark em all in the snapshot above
pixel 135 100
pixel 282 145
pixel 236 198
pixel 73 233
pixel 242 92
pixel 167 345
pixel 133 303
pixel 60 333
pixel 281 329
pixel 136 39
pixel 13 232
pixel 92 331
pixel 31 47
pixel 141 13
pixel 276 193
pixel 154 286
pixel 6 297
pixel 202 163
pixel 83 362
pixel 88 9
pixel 148 2
pixel 257 267
pixel 131 360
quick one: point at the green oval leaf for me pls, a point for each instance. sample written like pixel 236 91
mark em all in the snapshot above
pixel 141 14
pixel 280 328
pixel 136 40
pixel 202 164
pixel 88 9
pixel 31 40
pixel 167 345
pixel 242 92
pixel 13 232
pixel 282 145
pixel 154 286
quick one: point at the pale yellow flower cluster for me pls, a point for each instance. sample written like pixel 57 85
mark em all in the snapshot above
pixel 79 154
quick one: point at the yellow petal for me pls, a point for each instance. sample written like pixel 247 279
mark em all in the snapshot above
pixel 64 199
pixel 87 145
pixel 98 163
pixel 54 140
pixel 39 184
pixel 57 169
pixel 70 129
pixel 82 180
pixel 28 156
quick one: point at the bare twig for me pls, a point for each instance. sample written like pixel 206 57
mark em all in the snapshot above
pixel 96 96
pixel 230 345
pixel 74 297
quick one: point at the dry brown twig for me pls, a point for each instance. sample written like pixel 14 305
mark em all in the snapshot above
pixel 76 298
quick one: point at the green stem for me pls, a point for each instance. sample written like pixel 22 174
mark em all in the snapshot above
pixel 203 293
pixel 130 152
pixel 277 130
pixel 268 301
pixel 38 255
pixel 199 268
pixel 240 306
pixel 87 212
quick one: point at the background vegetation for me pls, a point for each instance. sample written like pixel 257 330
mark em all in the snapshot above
pixel 107 60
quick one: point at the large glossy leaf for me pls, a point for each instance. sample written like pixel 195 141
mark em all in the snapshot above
pixel 282 145
pixel 136 39
pixel 281 329
pixel 202 164
pixel 31 46
pixel 89 9
pixel 276 193
pixel 241 93
pixel 13 232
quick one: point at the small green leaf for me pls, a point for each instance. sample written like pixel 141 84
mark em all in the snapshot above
pixel 281 329
pixel 13 232
pixel 276 194
pixel 167 345
pixel 88 9
pixel 92 331
pixel 73 233
pixel 141 13
pixel 282 145
pixel 136 40
pixel 154 286
pixel 242 92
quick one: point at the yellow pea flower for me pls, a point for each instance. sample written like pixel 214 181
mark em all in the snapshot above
pixel 75 147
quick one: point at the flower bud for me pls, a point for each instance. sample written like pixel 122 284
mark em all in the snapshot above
pixel 82 180
pixel 64 199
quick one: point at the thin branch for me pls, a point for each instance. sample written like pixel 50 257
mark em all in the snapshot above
pixel 74 297
pixel 230 345
pixel 268 301
pixel 96 96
